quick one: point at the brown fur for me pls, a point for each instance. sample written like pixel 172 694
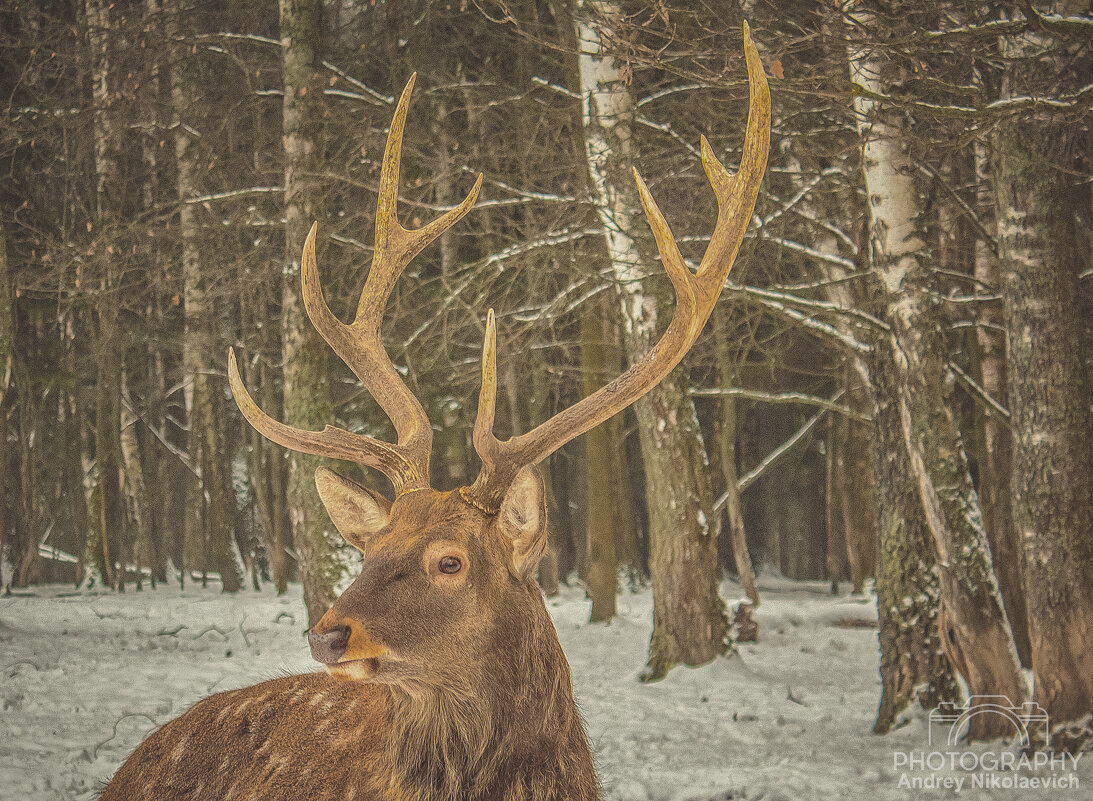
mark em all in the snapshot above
pixel 465 694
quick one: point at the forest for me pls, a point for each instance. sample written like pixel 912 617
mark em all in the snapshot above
pixel 893 395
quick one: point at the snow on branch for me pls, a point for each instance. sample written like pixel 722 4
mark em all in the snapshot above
pixel 671 90
pixel 526 193
pixel 802 193
pixel 370 95
pixel 1053 23
pixel 665 128
pixel 753 475
pixel 979 393
pixel 816 325
pixel 1005 106
pixel 496 261
pixel 812 285
pixel 368 90
pixel 553 238
pixel 555 87
pixel 778 397
pixel 767 295
pixel 234 193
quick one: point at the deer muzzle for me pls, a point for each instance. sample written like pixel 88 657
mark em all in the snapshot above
pixel 343 646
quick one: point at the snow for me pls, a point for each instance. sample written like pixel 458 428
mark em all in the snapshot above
pixel 86 676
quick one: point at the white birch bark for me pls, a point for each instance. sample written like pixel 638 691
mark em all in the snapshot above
pixel 975 630
pixel 689 621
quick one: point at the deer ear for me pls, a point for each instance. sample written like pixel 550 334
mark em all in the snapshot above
pixel 358 513
pixel 523 518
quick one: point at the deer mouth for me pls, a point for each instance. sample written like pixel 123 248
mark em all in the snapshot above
pixel 355 669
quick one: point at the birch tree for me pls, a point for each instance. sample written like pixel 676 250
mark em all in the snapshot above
pixel 689 622
pixel 975 630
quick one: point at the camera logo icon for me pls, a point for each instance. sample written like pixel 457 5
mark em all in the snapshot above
pixel 954 720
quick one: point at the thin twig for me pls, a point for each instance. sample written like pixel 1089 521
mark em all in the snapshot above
pixel 980 393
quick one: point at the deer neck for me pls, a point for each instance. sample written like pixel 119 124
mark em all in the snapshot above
pixel 508 728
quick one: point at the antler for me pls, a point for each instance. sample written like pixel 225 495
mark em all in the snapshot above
pixel 696 295
pixel 359 344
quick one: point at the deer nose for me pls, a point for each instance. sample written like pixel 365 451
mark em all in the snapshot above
pixel 329 646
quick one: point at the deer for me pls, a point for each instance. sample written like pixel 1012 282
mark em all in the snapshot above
pixel 442 678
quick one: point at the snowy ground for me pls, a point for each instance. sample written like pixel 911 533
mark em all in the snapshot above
pixel 84 677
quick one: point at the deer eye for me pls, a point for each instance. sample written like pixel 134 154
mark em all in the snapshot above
pixel 450 565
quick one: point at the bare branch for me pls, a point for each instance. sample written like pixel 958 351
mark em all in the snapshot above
pixel 753 475
pixel 979 393
pixel 779 397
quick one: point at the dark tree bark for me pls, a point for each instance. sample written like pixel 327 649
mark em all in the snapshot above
pixel 540 409
pixel 1037 184
pixel 7 352
pixel 136 490
pixel 995 437
pixel 726 429
pixel 214 499
pixel 601 567
pixel 108 353
pixel 856 494
pixel 307 402
pixel 913 665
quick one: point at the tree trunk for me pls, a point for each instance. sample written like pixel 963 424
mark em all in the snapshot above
pixel 307 403
pixel 7 321
pixel 136 491
pixel 975 631
pixel 854 483
pixel 107 351
pixel 836 558
pixel 73 479
pixel 28 522
pixel 726 436
pixel 155 458
pixel 108 458
pixel 913 665
pixel 689 621
pixel 996 460
pixel 539 409
pixel 264 465
pixel 204 395
pixel 4 466
pixel 1037 176
pixel 622 497
pixel 601 568
pixel 7 352
pixel 850 488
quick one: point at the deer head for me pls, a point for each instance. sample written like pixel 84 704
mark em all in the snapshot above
pixel 445 572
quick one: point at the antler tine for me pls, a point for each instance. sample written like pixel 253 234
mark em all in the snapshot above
pixel 331 442
pixel 360 345
pixel 696 296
